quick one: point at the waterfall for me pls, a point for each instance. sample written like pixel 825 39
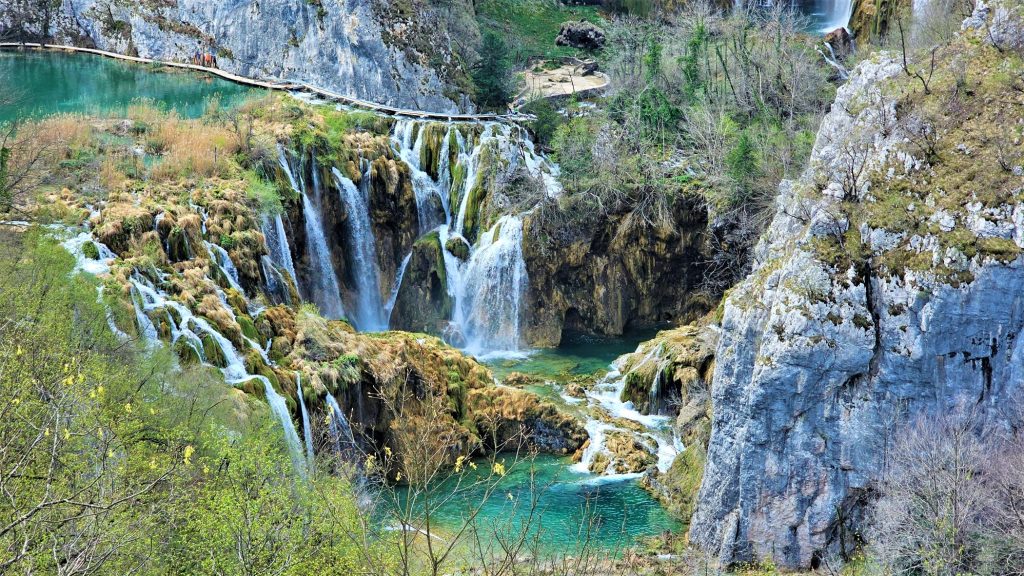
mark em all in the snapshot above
pixel 279 408
pixel 369 312
pixel 654 394
pixel 221 257
pixel 277 242
pixel 276 283
pixel 324 291
pixel 118 333
pixel 606 397
pixel 146 328
pixel 341 430
pixel 390 306
pixel 147 298
pixel 487 290
pixel 307 432
pixel 838 16
pixel 424 187
pixel 76 246
pixel 490 289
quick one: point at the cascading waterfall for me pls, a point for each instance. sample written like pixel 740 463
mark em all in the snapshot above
pixel 324 291
pixel 118 333
pixel 307 432
pixel 424 187
pixel 101 265
pixel 222 259
pixel 276 283
pixel 606 397
pixel 279 408
pixel 490 288
pixel 654 394
pixel 390 306
pixel 839 16
pixel 147 298
pixel 341 430
pixel 277 241
pixel 146 327
pixel 369 313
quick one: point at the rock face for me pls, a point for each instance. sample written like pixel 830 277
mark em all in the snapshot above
pixel 614 276
pixel 423 303
pixel 339 47
pixel 840 41
pixel 888 285
pixel 582 35
pixel 873 18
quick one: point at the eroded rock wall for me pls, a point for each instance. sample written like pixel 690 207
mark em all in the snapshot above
pixel 615 276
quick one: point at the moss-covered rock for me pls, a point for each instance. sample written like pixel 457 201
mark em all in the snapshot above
pixel 212 352
pixel 423 303
pixel 872 19
pixel 670 368
pixel 186 352
pixel 432 136
pixel 504 417
pixel 458 246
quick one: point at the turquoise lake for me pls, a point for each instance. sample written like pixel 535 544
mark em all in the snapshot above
pixel 35 84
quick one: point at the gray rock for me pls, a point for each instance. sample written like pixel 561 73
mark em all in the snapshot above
pixel 817 367
pixel 998 22
pixel 340 48
pixel 582 35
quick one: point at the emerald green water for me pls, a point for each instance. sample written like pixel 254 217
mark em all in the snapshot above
pixel 571 508
pixel 35 84
pixel 611 514
pixel 578 355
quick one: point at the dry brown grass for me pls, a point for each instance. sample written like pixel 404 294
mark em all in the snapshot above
pixel 191 149
pixel 111 176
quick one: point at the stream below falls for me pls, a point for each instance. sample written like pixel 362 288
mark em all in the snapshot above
pixel 610 512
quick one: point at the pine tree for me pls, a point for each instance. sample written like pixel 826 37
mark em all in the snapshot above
pixel 492 73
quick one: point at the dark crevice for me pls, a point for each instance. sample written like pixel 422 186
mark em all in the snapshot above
pixel 871 301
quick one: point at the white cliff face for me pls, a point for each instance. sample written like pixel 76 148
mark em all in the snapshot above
pixel 339 48
pixel 819 364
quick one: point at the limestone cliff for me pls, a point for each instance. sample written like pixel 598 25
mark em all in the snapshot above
pixel 889 284
pixel 359 48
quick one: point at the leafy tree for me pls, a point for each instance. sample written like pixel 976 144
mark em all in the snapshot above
pixel 573 143
pixel 113 461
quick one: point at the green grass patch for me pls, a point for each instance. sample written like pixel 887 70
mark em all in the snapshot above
pixel 531 26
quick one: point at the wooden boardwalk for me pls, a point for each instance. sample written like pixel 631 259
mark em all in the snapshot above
pixel 290 86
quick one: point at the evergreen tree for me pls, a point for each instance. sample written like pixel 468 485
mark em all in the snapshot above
pixel 492 74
